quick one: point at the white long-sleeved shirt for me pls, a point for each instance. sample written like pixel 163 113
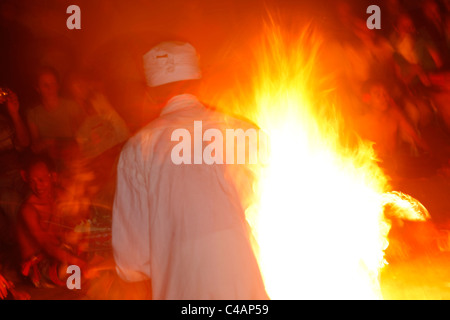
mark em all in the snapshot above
pixel 183 226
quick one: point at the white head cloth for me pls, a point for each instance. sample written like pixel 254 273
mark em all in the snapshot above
pixel 169 62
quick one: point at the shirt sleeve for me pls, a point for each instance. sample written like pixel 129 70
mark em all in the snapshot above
pixel 130 221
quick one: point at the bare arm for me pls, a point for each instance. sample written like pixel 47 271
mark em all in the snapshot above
pixel 22 137
pixel 46 240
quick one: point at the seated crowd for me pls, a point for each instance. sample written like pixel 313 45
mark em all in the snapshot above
pixel 57 185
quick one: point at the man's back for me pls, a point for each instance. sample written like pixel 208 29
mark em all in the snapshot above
pixel 198 239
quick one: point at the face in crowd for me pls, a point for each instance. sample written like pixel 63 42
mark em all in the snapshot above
pixel 40 179
pixel 48 86
pixel 379 97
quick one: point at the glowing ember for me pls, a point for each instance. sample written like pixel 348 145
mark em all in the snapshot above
pixel 403 206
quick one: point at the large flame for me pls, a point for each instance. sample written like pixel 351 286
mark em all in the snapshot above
pixel 318 217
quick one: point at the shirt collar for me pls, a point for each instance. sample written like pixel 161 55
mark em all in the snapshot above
pixel 180 102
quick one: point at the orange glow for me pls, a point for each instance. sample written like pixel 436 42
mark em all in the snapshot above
pixel 318 217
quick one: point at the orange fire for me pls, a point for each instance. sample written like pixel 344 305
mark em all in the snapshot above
pixel 318 217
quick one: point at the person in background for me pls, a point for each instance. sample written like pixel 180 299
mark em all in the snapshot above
pixel 54 122
pixel 414 60
pixel 45 226
pixel 100 137
pixel 14 139
pixel 102 128
pixel 385 125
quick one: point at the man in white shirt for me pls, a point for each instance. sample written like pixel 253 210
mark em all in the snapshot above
pixel 182 225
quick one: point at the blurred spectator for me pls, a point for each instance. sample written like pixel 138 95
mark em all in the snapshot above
pixel 380 62
pixel 358 55
pixel 356 58
pixel 14 139
pixel 433 29
pixel 102 128
pixel 386 126
pixel 413 63
pixel 54 122
pixel 411 53
pixel 441 96
pixel 45 228
pixel 100 138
